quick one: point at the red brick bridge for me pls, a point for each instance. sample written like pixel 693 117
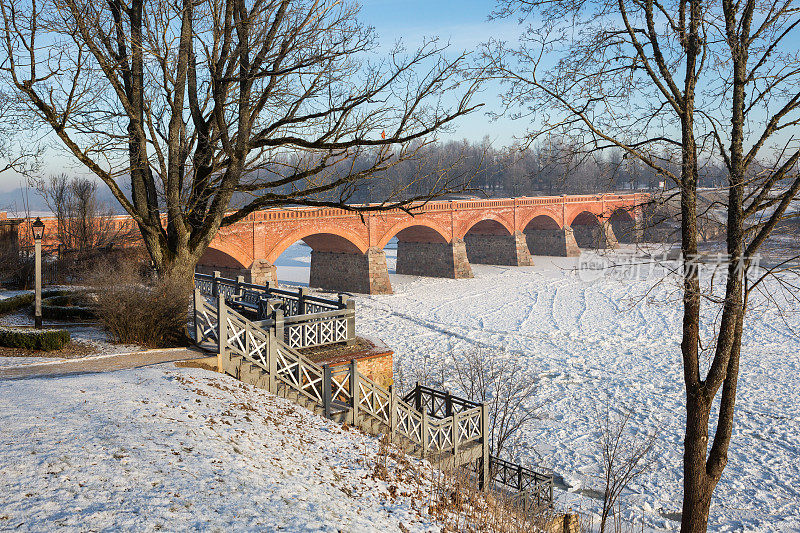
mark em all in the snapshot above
pixel 441 239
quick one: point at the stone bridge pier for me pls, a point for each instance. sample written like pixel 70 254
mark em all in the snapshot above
pixel 365 273
pixel 544 236
pixel 488 242
pixel 422 251
pixel 592 233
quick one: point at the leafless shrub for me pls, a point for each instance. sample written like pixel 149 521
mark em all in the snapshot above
pixel 15 269
pixel 625 457
pixel 502 383
pixel 451 496
pixel 138 310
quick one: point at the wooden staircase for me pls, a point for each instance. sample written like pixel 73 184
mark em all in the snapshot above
pixel 449 431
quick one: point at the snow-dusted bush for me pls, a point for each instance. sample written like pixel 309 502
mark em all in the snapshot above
pixel 33 339
pixel 66 306
pixel 15 302
pixel 143 312
pixel 19 301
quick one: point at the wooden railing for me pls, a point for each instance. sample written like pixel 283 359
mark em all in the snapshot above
pixel 302 320
pixel 436 423
pixel 532 489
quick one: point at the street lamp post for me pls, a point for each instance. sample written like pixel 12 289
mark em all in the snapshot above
pixel 38 233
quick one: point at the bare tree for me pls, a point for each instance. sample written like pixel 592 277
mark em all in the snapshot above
pixel 18 153
pixel 500 381
pixel 83 222
pixel 213 110
pixel 697 82
pixel 625 457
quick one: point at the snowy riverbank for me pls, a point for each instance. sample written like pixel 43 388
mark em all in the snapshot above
pixel 585 340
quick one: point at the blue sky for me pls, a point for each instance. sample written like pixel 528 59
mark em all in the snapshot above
pixel 464 24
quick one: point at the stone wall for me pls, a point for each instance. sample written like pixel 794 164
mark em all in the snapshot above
pixel 345 272
pixel 511 250
pixel 262 273
pixel 555 242
pixel 434 259
pixel 595 236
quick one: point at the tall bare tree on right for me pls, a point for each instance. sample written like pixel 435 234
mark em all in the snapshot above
pixel 687 80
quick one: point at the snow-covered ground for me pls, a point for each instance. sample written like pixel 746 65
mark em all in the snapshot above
pixel 608 337
pixel 160 447
pixel 163 448
pixel 7 362
pixel 589 340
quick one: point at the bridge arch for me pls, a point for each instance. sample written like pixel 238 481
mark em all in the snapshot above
pixel 222 255
pixel 327 238
pixel 486 224
pixel 540 222
pixel 623 222
pixel 415 229
pixel 592 232
pixel 585 218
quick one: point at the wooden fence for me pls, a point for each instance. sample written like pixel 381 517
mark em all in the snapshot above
pixel 532 490
pixel 299 318
pixel 429 423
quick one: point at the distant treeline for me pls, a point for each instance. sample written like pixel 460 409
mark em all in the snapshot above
pixel 478 168
pixel 451 168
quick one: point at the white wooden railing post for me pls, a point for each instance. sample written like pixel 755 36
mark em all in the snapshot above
pixel 424 433
pixel 392 413
pixel 248 329
pixel 485 481
pixel 222 331
pixel 350 305
pixel 239 288
pixel 455 435
pixel 198 331
pixel 215 284
pixel 354 418
pixel 326 390
pixel 272 362
pixel 277 318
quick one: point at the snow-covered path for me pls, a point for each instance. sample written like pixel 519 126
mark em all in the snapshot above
pixel 587 340
pixel 175 449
